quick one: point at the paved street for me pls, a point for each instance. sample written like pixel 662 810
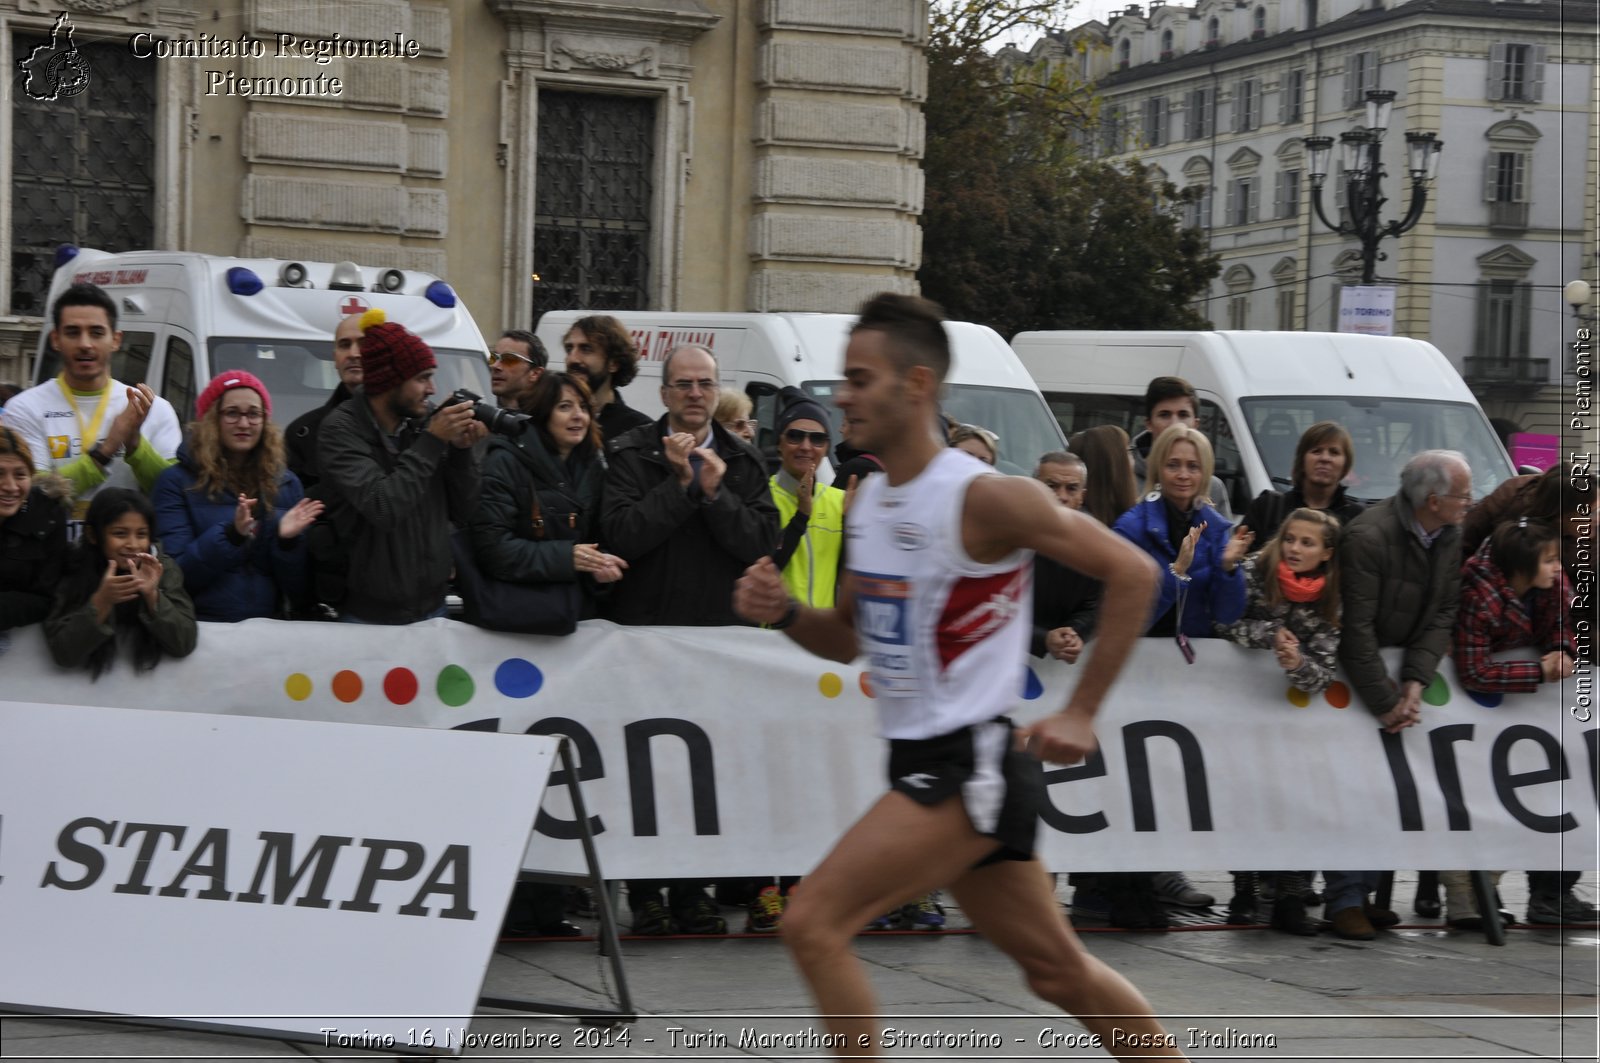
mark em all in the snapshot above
pixel 1418 993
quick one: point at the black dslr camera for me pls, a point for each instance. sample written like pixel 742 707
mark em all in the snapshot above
pixel 499 421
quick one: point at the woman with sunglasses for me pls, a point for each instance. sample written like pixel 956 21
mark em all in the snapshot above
pixel 230 512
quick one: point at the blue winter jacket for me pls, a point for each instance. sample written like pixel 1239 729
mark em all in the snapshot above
pixel 229 582
pixel 1214 596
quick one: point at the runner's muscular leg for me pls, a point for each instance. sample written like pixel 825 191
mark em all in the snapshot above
pixel 897 851
pixel 1012 904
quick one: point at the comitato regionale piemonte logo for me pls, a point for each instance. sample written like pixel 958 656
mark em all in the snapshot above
pixel 57 70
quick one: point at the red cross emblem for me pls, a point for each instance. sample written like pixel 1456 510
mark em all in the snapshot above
pixel 352 305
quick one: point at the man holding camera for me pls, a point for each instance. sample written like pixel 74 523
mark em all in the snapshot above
pixel 394 479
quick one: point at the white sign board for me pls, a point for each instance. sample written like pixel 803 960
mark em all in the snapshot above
pixel 1367 310
pixel 721 752
pixel 273 875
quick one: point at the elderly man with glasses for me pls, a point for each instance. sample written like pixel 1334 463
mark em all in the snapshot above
pixel 1400 570
pixel 687 506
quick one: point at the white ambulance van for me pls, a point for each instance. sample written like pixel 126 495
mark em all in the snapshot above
pixel 762 353
pixel 186 317
pixel 1259 390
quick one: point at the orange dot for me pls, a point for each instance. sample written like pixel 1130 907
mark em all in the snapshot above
pixel 1337 695
pixel 1299 698
pixel 346 686
pixel 866 686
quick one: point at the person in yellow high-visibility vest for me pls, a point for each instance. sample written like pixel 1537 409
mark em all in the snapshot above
pixel 810 514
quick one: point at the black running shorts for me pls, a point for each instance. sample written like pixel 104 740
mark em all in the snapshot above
pixel 1002 788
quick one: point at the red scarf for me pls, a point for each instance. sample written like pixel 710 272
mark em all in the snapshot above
pixel 1299 588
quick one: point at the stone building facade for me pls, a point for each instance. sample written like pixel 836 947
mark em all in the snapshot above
pixel 1218 97
pixel 620 154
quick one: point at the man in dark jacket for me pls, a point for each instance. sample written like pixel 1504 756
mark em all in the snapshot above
pixel 300 438
pixel 394 480
pixel 1399 566
pixel 599 349
pixel 1064 600
pixel 1322 459
pixel 688 507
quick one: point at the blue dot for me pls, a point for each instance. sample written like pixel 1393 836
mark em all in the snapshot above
pixel 1488 701
pixel 1031 687
pixel 517 678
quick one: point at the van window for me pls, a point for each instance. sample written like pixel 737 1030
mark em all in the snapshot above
pixel 129 363
pixel 1387 433
pixel 300 373
pixel 1022 422
pixel 178 378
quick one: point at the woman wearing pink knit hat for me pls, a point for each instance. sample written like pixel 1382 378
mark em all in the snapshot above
pixel 230 511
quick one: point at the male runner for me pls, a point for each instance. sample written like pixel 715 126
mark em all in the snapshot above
pixel 937 595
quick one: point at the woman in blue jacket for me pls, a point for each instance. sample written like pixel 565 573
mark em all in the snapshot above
pixel 230 511
pixel 1198 550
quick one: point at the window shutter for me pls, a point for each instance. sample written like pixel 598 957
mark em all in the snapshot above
pixel 1208 111
pixel 1227 204
pixel 1480 337
pixel 1491 177
pixel 1523 302
pixel 1351 78
pixel 1534 78
pixel 1253 196
pixel 1280 196
pixel 1497 72
pixel 1519 177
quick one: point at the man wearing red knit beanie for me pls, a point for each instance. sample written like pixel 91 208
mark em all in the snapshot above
pixel 394 479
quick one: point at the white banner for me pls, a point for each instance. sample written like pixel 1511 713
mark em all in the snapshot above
pixel 1367 310
pixel 710 752
pixel 178 865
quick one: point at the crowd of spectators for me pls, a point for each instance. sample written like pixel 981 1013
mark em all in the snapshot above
pixel 120 533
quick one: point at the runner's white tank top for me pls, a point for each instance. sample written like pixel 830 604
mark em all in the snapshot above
pixel 944 636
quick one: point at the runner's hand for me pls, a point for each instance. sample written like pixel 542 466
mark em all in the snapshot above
pixel 1060 739
pixel 759 596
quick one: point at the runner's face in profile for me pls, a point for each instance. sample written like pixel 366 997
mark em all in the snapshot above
pixel 873 394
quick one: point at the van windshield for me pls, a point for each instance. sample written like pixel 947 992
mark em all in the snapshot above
pixel 300 373
pixel 1020 418
pixel 1387 433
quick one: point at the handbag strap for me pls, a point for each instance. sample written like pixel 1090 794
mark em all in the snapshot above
pixel 538 516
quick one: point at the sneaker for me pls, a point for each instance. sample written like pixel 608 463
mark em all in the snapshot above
pixel 580 902
pixel 924 913
pixel 1564 910
pixel 883 922
pixel 650 919
pixel 1174 887
pixel 765 912
pixel 697 914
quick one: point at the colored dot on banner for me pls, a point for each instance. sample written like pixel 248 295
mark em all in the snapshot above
pixel 866 686
pixel 517 678
pixel 298 686
pixel 346 686
pixel 1488 701
pixel 1031 687
pixel 400 686
pixel 1299 698
pixel 454 686
pixel 1337 695
pixel 830 684
pixel 1438 691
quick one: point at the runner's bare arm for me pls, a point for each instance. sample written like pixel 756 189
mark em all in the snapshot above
pixel 761 597
pixel 1003 513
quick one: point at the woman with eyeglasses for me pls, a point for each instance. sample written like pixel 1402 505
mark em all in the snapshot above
pixel 230 512
pixel 733 413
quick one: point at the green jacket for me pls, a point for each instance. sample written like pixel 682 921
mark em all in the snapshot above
pixel 73 632
pixel 811 549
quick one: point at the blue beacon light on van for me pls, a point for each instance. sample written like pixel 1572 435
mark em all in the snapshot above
pixel 64 254
pixel 242 281
pixel 440 294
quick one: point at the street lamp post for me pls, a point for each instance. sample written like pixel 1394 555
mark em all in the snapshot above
pixel 1361 160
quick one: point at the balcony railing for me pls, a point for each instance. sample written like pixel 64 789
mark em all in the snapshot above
pixel 1507 372
pixel 1508 215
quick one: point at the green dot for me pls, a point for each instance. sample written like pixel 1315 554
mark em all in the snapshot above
pixel 1438 691
pixel 455 686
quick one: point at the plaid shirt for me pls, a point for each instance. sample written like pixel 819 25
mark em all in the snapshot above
pixel 1493 618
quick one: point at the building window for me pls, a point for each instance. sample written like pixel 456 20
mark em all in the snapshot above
pixel 1241 208
pixel 1505 188
pixel 1197 114
pixel 1360 74
pixel 1239 312
pixel 593 201
pixel 1286 314
pixel 1166 44
pixel 1213 33
pixel 1197 207
pixel 1124 53
pixel 1503 309
pixel 1286 201
pixel 1247 105
pixel 1155 121
pixel 82 168
pixel 1111 131
pixel 1516 72
pixel 1258 23
pixel 1292 97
